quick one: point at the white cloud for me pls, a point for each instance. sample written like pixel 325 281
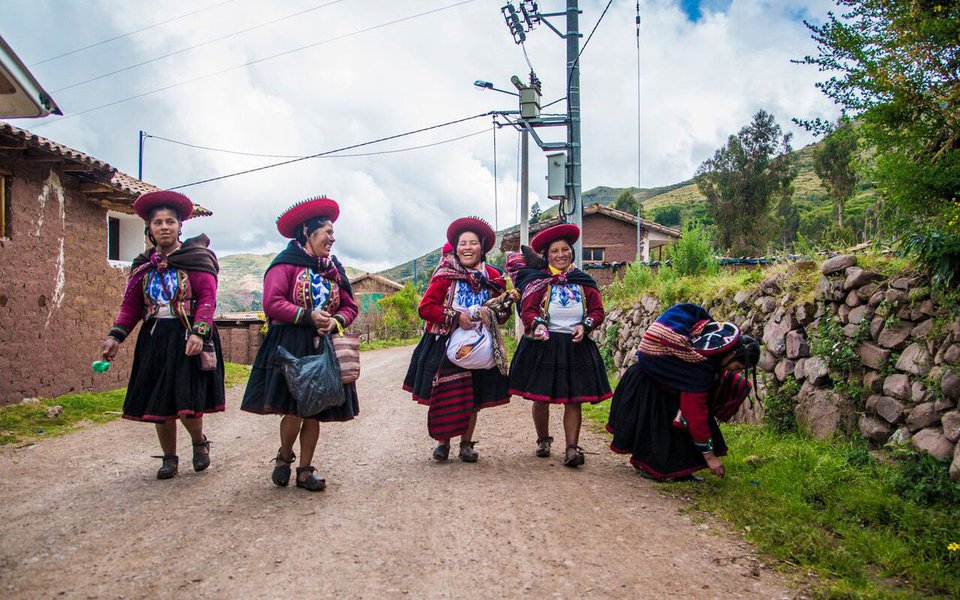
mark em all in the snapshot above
pixel 701 82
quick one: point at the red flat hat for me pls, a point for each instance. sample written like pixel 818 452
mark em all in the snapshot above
pixel 447 248
pixel 291 219
pixel 564 231
pixel 475 224
pixel 149 201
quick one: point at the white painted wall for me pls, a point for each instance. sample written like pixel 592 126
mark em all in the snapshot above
pixel 132 240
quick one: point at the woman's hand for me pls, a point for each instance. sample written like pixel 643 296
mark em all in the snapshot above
pixel 322 320
pixel 540 332
pixel 194 345
pixel 578 333
pixel 108 350
pixel 464 321
pixel 716 466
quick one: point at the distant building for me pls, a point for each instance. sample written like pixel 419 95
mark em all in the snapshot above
pixel 240 335
pixel 609 240
pixel 67 234
pixel 367 290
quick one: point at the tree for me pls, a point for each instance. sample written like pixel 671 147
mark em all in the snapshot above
pixel 833 164
pixel 741 181
pixel 626 202
pixel 535 213
pixel 668 215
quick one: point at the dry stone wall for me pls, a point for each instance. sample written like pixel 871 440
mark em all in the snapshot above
pixel 872 355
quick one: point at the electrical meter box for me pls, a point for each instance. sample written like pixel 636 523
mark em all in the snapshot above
pixel 556 175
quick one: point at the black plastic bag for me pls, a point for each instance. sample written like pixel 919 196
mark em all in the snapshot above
pixel 314 380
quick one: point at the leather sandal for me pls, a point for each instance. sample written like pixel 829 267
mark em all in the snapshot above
pixel 169 467
pixel 312 482
pixel 574 456
pixel 442 451
pixel 467 452
pixel 281 473
pixel 201 460
pixel 543 446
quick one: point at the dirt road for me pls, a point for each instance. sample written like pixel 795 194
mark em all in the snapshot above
pixel 84 517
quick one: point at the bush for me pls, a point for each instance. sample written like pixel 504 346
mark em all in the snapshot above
pixel 609 346
pixel 778 404
pixel 924 479
pixel 693 253
pixel 400 316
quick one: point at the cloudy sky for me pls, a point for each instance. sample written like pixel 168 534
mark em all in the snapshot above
pixel 300 77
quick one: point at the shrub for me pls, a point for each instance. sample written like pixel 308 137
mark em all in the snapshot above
pixel 778 404
pixel 693 253
pixel 924 479
pixel 400 316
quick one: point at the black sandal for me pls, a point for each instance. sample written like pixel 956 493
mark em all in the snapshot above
pixel 201 460
pixel 468 453
pixel 543 446
pixel 574 459
pixel 281 473
pixel 169 467
pixel 312 482
pixel 442 451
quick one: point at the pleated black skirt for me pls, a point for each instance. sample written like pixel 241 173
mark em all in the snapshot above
pixel 489 385
pixel 641 421
pixel 165 383
pixel 267 391
pixel 558 371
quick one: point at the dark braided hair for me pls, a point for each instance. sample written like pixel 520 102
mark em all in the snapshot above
pixel 312 224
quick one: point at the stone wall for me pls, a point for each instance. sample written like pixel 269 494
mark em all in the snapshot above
pixel 902 350
pixel 58 294
pixel 239 340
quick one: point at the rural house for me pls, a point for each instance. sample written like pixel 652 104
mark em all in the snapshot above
pixel 67 234
pixel 367 290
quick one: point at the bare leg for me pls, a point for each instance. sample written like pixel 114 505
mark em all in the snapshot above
pixel 289 430
pixel 468 434
pixel 309 434
pixel 572 418
pixel 541 419
pixel 167 434
pixel 194 428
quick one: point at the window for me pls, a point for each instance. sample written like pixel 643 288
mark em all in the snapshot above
pixel 125 239
pixel 4 206
pixel 593 254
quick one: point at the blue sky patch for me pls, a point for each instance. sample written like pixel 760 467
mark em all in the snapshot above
pixel 695 8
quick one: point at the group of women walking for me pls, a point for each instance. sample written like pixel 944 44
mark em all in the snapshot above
pixel 664 411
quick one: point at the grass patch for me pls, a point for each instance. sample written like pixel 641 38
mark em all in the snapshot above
pixel 388 343
pixel 670 288
pixel 27 423
pixel 834 509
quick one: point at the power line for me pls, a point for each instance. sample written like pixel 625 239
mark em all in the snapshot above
pixel 253 62
pixel 129 33
pixel 200 45
pixel 397 150
pixel 319 154
pixel 496 198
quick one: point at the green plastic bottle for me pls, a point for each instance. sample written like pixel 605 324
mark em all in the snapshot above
pixel 101 366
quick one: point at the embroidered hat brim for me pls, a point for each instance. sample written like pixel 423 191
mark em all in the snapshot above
pixel 291 219
pixel 716 337
pixel 563 231
pixel 476 225
pixel 151 200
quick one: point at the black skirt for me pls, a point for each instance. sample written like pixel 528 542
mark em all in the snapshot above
pixel 267 391
pixel 165 383
pixel 489 385
pixel 641 421
pixel 558 371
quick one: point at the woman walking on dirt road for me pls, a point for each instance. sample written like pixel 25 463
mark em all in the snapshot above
pixel 177 368
pixel 556 361
pixel 306 294
pixel 459 366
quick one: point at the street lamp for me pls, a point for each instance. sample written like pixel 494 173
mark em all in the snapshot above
pixel 486 85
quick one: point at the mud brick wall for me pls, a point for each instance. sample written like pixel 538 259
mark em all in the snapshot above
pixel 58 293
pixel 618 240
pixel 239 340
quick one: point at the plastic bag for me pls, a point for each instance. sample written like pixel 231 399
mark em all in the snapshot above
pixel 314 380
pixel 471 348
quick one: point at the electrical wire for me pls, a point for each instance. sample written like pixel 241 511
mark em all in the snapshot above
pixel 253 62
pixel 198 147
pixel 200 45
pixel 328 152
pixel 496 198
pixel 129 33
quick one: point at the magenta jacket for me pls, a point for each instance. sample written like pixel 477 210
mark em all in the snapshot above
pixel 194 302
pixel 287 297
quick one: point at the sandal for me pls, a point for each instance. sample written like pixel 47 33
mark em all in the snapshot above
pixel 312 482
pixel 442 451
pixel 169 467
pixel 543 446
pixel 281 473
pixel 574 456
pixel 467 452
pixel 201 460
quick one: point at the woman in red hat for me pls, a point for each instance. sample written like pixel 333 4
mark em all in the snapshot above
pixel 177 368
pixel 556 361
pixel 306 293
pixel 454 300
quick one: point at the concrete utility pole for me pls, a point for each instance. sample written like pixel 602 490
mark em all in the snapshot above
pixel 573 125
pixel 524 188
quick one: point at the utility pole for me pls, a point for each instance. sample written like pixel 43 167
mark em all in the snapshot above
pixel 524 188
pixel 573 126
pixel 143 137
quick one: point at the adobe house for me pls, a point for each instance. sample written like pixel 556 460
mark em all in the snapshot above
pixel 67 235
pixel 240 335
pixel 367 290
pixel 609 240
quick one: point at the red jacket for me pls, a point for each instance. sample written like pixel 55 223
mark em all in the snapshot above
pixel 436 304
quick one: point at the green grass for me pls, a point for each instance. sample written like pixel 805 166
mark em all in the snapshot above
pixel 389 343
pixel 831 508
pixel 27 423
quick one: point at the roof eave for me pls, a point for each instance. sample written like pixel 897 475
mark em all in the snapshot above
pixel 30 100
